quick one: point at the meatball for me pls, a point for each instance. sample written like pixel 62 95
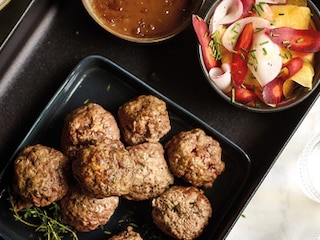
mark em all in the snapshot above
pixel 195 157
pixel 40 176
pixel 85 213
pixel 182 212
pixel 128 234
pixel 143 119
pixel 152 173
pixel 104 169
pixel 87 125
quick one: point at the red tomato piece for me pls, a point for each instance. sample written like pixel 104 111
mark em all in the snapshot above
pixel 243 95
pixel 239 67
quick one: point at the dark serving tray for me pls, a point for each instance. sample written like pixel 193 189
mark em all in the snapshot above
pixel 11 16
pixel 98 80
pixel 54 35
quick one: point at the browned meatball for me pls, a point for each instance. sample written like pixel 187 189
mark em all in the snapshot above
pixel 195 157
pixel 87 125
pixel 104 169
pixel 182 212
pixel 40 176
pixel 144 119
pixel 128 234
pixel 152 173
pixel 86 213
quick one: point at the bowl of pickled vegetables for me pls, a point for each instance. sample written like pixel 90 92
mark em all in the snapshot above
pixel 260 55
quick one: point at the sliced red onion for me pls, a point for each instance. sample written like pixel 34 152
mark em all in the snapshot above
pixel 227 12
pixel 264 59
pixel 221 77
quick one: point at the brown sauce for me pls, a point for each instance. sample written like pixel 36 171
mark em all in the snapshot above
pixel 143 18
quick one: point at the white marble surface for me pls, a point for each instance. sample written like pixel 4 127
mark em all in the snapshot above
pixel 279 209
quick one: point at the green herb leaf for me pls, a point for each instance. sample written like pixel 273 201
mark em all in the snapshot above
pixel 39 218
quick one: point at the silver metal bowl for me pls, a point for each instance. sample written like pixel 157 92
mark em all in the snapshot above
pixel 266 109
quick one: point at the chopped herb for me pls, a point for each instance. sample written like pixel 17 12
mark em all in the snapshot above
pixel 234 30
pixel 216 44
pixel 259 30
pixel 258 105
pixel 235 37
pixel 245 50
pixel 133 225
pixel 281 14
pixel 300 40
pixel 86 101
pixel 253 56
pixel 274 34
pixel 263 43
pixel 108 87
pixel 264 51
pixel 289 51
pixel 284 55
pixel 259 8
pixel 233 95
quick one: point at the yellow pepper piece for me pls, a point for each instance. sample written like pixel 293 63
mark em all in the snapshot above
pixel 291 15
pixel 304 78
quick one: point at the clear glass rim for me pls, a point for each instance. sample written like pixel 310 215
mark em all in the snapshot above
pixel 306 184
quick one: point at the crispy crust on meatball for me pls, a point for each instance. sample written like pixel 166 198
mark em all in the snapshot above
pixel 85 213
pixel 143 119
pixel 152 176
pixel 87 125
pixel 195 157
pixel 182 212
pixel 104 169
pixel 40 176
pixel 128 234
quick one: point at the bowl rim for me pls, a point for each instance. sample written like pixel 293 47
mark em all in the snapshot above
pixel 4 3
pixel 315 83
pixel 302 167
pixel 197 6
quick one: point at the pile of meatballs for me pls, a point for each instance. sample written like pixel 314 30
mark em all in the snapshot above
pixel 104 157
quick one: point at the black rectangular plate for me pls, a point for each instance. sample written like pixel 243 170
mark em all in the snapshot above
pixel 97 79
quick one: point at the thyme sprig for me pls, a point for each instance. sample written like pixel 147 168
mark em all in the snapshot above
pixel 49 225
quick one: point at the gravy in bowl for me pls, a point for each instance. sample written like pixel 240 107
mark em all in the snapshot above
pixel 142 18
